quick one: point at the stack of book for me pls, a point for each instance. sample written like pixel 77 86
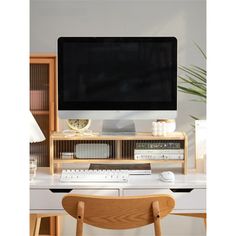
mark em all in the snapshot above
pixel 158 151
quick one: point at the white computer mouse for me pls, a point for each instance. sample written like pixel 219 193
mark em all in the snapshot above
pixel 167 176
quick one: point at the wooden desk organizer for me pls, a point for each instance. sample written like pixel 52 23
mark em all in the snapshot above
pixel 121 148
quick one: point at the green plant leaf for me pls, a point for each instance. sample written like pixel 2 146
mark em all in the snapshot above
pixel 190 71
pixel 196 83
pixel 193 81
pixel 204 55
pixel 192 91
pixel 199 69
pixel 199 100
pixel 194 117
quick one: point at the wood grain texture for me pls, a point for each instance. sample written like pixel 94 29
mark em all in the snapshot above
pixel 121 148
pixel 107 160
pixel 80 218
pixel 118 212
pixel 156 217
pixel 33 219
pixel 55 225
pixel 43 102
pixel 58 228
pixel 138 136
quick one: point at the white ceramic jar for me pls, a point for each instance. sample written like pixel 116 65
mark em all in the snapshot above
pixel 162 127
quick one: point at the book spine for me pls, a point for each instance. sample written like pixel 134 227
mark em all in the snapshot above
pixel 158 151
pixel 161 145
pixel 158 157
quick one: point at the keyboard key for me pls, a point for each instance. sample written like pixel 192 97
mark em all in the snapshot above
pixel 96 176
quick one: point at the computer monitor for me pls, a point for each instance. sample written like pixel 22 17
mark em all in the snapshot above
pixel 117 78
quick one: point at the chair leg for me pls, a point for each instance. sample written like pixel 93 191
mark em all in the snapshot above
pixel 55 225
pixel 157 218
pixel 33 218
pixel 58 230
pixel 37 227
pixel 52 222
pixel 80 219
pixel 35 221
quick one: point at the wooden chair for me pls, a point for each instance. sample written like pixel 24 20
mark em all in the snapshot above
pixel 118 212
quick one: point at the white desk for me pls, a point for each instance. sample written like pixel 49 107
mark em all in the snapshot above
pixel 46 193
pixel 189 191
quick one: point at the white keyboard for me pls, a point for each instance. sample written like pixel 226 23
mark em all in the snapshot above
pixel 95 176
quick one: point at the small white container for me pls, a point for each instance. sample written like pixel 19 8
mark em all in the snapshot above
pixel 159 128
pixel 154 125
pixel 163 127
pixel 170 126
pixel 154 128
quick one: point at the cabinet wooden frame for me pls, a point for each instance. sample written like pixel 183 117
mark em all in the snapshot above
pixel 50 60
pixel 119 148
pixel 51 112
pixel 48 112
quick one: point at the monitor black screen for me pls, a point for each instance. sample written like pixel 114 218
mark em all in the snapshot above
pixel 117 73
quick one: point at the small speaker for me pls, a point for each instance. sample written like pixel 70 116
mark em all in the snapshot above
pixel 92 150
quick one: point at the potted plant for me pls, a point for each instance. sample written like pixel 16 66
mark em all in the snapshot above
pixel 193 81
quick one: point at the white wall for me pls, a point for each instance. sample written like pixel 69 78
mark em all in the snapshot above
pixel 186 20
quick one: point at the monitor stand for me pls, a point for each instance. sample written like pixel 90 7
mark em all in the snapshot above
pixel 118 127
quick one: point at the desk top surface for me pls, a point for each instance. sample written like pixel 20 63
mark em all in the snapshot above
pixel 44 180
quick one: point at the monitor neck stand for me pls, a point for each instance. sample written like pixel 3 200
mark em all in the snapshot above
pixel 118 127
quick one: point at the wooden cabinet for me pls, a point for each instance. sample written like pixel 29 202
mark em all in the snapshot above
pixel 43 102
pixel 43 106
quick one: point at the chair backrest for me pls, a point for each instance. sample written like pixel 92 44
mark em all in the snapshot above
pixel 118 212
